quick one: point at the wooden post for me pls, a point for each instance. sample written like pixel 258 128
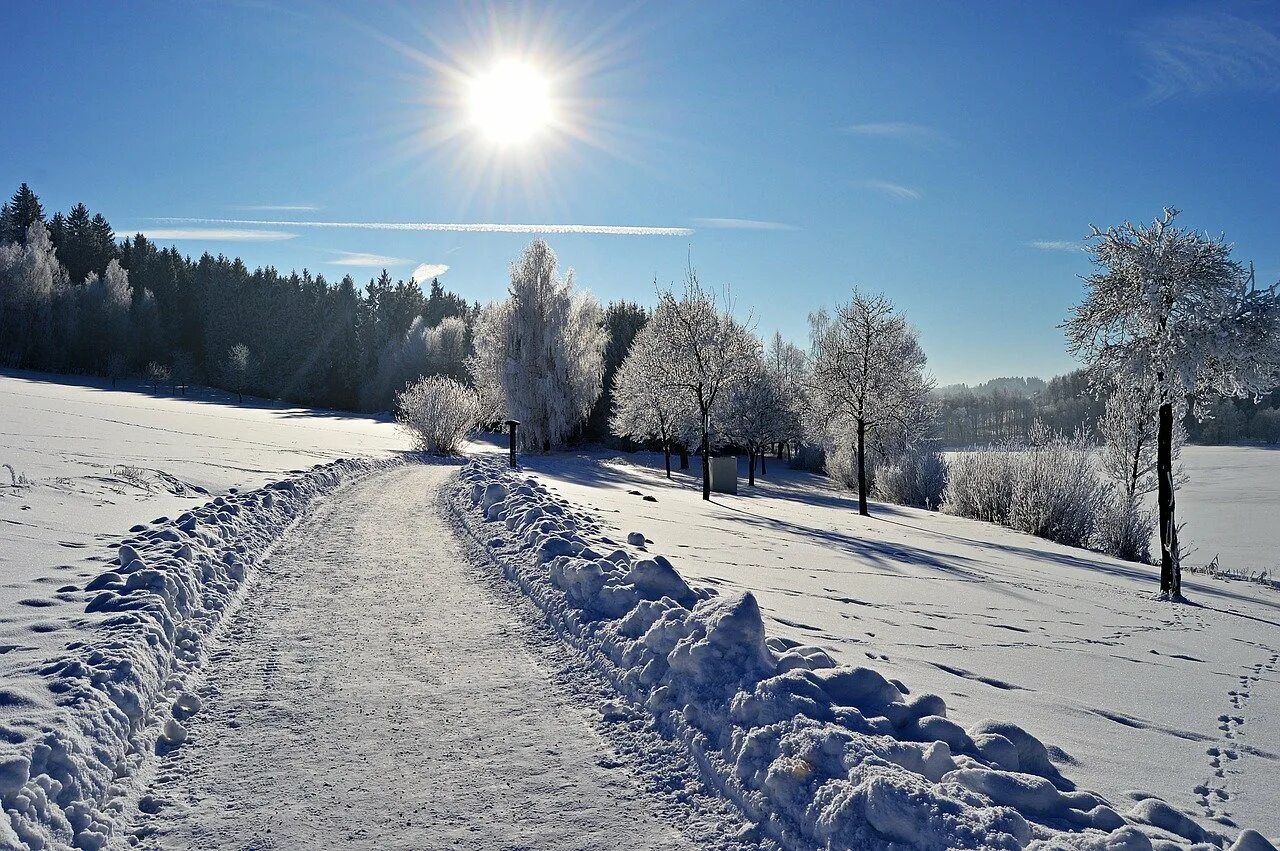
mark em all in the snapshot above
pixel 511 428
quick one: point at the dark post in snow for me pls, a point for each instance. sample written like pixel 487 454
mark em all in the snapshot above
pixel 511 431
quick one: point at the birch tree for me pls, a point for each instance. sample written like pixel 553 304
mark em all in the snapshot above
pixel 539 354
pixel 1171 310
pixel 868 374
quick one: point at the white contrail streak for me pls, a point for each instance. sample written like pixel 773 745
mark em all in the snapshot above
pixel 451 227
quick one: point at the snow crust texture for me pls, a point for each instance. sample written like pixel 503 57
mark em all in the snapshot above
pixel 819 755
pixel 75 728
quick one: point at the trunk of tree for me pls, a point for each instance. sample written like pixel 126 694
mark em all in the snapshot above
pixel 684 457
pixel 666 452
pixel 1170 570
pixel 706 466
pixel 780 444
pixel 862 469
pixel 763 455
pixel 751 468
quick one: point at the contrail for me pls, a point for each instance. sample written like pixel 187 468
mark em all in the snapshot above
pixel 451 227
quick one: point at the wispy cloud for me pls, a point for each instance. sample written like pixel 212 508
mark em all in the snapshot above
pixel 916 134
pixel 216 234
pixel 362 259
pixel 742 224
pixel 896 191
pixel 278 208
pixel 1204 53
pixel 1055 245
pixel 427 271
pixel 451 227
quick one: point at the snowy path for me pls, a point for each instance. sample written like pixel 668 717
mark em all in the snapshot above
pixel 373 692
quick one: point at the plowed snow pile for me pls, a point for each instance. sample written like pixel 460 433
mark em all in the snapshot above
pixel 819 754
pixel 97 631
pixel 74 727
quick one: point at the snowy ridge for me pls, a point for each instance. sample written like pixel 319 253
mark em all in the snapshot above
pixel 819 755
pixel 118 693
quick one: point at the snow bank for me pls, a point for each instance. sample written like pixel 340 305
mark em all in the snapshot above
pixel 819 755
pixel 76 727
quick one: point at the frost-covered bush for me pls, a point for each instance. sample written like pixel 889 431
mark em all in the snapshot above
pixel 916 478
pixel 841 465
pixel 1049 489
pixel 438 412
pixel 1056 492
pixel 1123 528
pixel 980 484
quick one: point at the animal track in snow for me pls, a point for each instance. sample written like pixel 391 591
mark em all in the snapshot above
pixel 1213 795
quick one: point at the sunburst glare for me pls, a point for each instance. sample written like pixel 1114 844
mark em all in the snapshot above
pixel 511 103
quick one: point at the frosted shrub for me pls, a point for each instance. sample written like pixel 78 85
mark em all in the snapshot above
pixel 1049 489
pixel 1123 528
pixel 1056 492
pixel 980 484
pixel 915 478
pixel 438 412
pixel 841 466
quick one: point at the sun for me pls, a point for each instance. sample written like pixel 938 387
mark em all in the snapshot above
pixel 511 103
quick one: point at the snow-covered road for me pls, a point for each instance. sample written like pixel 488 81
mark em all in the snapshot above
pixel 375 692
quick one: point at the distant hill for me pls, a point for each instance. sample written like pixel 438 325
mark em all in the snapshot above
pixel 1023 387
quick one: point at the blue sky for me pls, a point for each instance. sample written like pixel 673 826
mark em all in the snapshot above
pixel 943 153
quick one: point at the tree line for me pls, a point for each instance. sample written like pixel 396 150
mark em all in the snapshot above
pixel 1176 336
pixel 73 298
pixel 1004 410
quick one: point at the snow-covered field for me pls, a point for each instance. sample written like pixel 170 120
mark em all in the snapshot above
pixel 92 633
pixel 98 461
pixel 1231 505
pixel 1134 696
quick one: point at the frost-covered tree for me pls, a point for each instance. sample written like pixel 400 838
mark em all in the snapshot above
pixel 539 354
pixel 32 284
pixel 442 349
pixel 755 414
pixel 105 306
pixel 238 370
pixel 1171 310
pixel 438 412
pixel 1128 427
pixel 789 368
pixel 643 407
pixel 705 350
pixel 868 376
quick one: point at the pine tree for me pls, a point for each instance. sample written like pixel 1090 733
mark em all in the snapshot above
pixel 20 213
pixel 623 321
pixel 79 249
